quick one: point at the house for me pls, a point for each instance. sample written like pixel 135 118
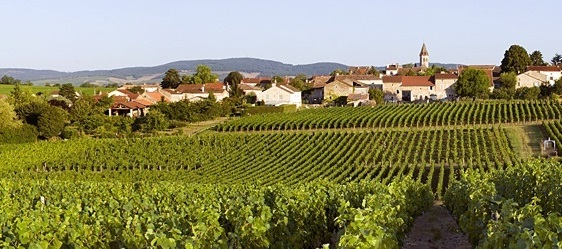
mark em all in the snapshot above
pixel 128 108
pixel 415 88
pixel 280 94
pixel 123 93
pixel 531 79
pixel 200 91
pixel 259 82
pixel 444 85
pixel 553 73
pixel 392 69
pixel 363 70
pixel 391 88
pixel 172 95
pixel 250 89
pixel 153 97
pixel 317 92
pixel 337 88
pixel 145 87
pixel 357 99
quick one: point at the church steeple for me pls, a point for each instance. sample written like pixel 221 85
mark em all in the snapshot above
pixel 424 57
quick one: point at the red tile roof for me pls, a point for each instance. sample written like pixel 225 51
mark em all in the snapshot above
pixel 320 81
pixel 248 87
pixel 259 80
pixel 443 76
pixel 417 81
pixel 201 88
pixel 391 79
pixel 156 96
pixel 129 94
pixel 357 96
pixel 544 68
pixel 355 77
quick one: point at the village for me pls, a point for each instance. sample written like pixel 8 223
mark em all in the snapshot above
pixel 399 84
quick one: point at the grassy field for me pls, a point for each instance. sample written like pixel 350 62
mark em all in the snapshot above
pixel 5 89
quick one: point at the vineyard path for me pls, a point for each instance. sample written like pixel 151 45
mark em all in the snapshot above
pixel 526 139
pixel 436 228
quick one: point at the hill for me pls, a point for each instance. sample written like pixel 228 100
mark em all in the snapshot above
pixel 154 74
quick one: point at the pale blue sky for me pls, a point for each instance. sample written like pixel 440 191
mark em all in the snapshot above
pixel 88 35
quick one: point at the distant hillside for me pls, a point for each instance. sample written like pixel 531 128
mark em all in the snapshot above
pixel 248 66
pixel 154 74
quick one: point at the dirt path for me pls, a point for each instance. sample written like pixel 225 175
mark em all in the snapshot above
pixel 436 228
pixel 526 139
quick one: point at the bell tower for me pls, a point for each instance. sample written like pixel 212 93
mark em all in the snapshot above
pixel 424 57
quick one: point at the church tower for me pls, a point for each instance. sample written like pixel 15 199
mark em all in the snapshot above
pixel 424 57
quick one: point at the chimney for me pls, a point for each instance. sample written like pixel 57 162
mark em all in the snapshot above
pixel 203 88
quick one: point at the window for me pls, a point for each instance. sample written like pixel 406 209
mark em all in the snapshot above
pixel 431 88
pixel 397 91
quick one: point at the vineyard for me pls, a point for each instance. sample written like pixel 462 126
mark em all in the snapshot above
pixel 343 177
pixel 390 116
pixel 51 214
pixel 518 207
pixel 289 158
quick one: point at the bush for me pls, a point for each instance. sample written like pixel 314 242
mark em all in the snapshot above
pixel 23 134
pixel 270 109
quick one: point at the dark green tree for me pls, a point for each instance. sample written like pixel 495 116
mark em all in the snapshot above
pixel 556 60
pixel 536 58
pixel 508 81
pixel 300 82
pixel 338 72
pixel 373 71
pixel 171 79
pixel 136 89
pixel 516 59
pixel 472 83
pixel 233 80
pixel 277 79
pixel 410 73
pixel 152 122
pixel 528 93
pixel 8 80
pixel 68 91
pixel 376 95
pixel 51 122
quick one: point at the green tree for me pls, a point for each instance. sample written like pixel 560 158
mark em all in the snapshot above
pixel 68 91
pixel 51 122
pixel 410 73
pixel 153 121
pixel 433 69
pixel 338 72
pixel 300 82
pixel 556 60
pixel 8 117
pixel 88 85
pixel 171 79
pixel 516 59
pixel 18 96
pixel 8 80
pixel 409 65
pixel 376 95
pixel 557 87
pixel 203 74
pixel 136 89
pixel 536 58
pixel 472 83
pixel 527 93
pixel 508 81
pixel 373 71
pixel 233 80
pixel 277 79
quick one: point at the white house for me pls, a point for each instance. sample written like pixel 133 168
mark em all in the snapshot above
pixel 444 85
pixel 123 93
pixel 531 79
pixel 280 95
pixel 553 73
pixel 194 92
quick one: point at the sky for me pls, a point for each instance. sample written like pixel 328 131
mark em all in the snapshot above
pixel 91 35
